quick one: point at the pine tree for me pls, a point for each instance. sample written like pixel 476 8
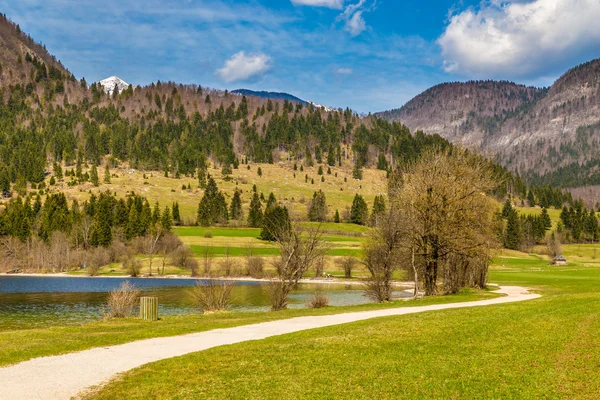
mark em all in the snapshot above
pixel 276 222
pixel 166 220
pixel 308 156
pixel 382 163
pixel 320 171
pixel 58 172
pixel 512 237
pixel 176 216
pixel 255 214
pixel 155 214
pixel 235 210
pixel 378 209
pixel 106 174
pixel 336 217
pixel 212 208
pixel 357 172
pixel 94 176
pixel 530 199
pixel 259 171
pixel 317 209
pixel 546 219
pixel 359 211
pixel 271 201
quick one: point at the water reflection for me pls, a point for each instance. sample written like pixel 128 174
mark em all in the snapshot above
pixel 28 302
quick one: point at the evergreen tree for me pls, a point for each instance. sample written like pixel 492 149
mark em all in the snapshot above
pixel 212 208
pixel 236 206
pixel 155 214
pixel 546 219
pixel 359 211
pixel 106 174
pixel 507 208
pixel 103 220
pixel 382 163
pixel 94 176
pixel 530 199
pixel 320 171
pixel 378 209
pixel 259 171
pixel 255 214
pixel 166 220
pixel 271 201
pixel 276 222
pixel 308 156
pixel 512 238
pixel 176 216
pixel 336 217
pixel 58 172
pixel 357 172
pixel 317 209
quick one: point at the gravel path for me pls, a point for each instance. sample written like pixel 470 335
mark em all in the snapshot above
pixel 64 376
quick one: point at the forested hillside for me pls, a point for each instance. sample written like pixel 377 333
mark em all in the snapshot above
pixel 548 135
pixel 51 120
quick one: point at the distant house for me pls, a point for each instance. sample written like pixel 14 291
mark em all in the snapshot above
pixel 559 260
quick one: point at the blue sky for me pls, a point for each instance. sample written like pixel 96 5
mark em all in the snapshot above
pixel 369 55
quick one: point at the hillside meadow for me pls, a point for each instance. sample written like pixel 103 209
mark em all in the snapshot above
pixel 293 192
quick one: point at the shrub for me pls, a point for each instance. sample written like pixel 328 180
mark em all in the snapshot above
pixel 212 295
pixel 192 265
pixel 255 266
pixel 180 255
pixel 208 234
pixel 319 300
pixel 122 302
pixel 347 264
pixel 133 266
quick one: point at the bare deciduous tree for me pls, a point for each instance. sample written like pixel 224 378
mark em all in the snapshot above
pixel 347 264
pixel 447 213
pixel 300 250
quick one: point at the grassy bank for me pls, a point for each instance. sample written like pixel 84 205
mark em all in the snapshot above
pixel 544 348
pixel 20 345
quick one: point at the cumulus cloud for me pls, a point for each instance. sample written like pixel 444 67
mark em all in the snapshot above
pixel 337 4
pixel 242 66
pixel 519 39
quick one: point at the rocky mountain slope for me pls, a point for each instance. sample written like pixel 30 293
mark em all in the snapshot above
pixel 533 131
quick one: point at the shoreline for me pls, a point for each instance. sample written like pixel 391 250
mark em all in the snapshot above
pixel 335 281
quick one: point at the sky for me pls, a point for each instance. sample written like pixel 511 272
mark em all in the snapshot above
pixel 369 55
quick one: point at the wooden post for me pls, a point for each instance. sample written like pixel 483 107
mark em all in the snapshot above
pixel 149 308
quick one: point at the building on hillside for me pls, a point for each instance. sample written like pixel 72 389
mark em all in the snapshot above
pixel 559 260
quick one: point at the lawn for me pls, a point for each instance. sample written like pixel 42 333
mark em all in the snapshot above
pixel 544 348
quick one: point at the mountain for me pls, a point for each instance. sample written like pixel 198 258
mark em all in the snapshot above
pixel 543 133
pixel 268 95
pixel 109 84
pixel 18 48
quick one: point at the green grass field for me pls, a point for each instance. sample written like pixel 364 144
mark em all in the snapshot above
pixel 543 348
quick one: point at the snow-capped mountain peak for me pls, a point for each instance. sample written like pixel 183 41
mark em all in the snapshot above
pixel 108 84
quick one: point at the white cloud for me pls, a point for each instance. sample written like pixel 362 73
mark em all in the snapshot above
pixel 354 23
pixel 337 4
pixel 519 39
pixel 241 66
pixel 344 71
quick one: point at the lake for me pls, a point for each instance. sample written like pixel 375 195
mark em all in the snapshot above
pixel 31 301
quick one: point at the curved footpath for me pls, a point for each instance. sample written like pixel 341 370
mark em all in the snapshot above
pixel 64 376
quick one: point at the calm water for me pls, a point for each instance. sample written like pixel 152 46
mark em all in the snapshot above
pixel 28 302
